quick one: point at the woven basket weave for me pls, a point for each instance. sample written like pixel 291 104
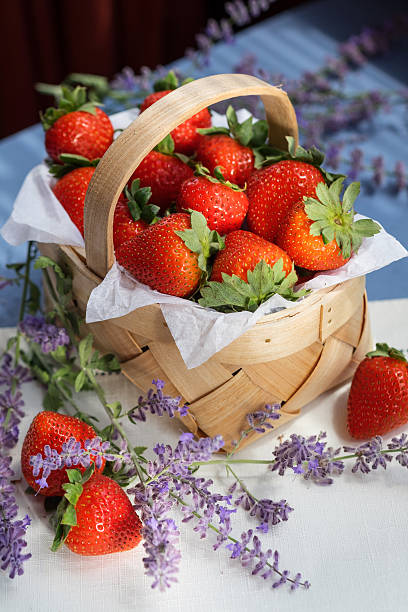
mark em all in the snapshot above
pixel 291 356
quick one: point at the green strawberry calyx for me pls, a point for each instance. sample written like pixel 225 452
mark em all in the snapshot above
pixel 70 162
pixel 71 100
pixel 65 516
pixel 137 201
pixel 383 350
pixel 235 295
pixel 170 81
pixel 333 219
pixel 248 133
pixel 216 177
pixel 268 155
pixel 203 241
pixel 166 147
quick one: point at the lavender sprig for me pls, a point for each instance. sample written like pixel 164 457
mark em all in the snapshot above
pixel 156 402
pixel 48 336
pixel 74 453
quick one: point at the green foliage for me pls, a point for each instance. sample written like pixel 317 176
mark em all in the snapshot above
pixel 71 162
pixel 383 350
pixel 71 99
pixel 65 516
pixel 247 133
pixel 234 294
pixel 333 219
pixel 200 239
pixel 217 176
pixel 138 203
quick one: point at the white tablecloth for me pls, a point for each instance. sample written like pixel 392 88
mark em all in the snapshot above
pixel 349 540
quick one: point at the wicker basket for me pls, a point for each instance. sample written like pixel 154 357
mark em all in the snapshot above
pixel 291 356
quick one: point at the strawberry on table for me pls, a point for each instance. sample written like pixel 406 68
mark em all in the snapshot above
pixel 232 147
pixel 52 429
pixel 105 519
pixel 320 233
pixel 185 135
pixel 164 171
pixel 222 203
pixel 243 251
pixel 133 213
pixel 77 126
pixel 378 399
pixel 172 255
pixel 71 190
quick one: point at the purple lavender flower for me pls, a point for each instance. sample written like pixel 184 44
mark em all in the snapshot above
pixel 258 421
pixel 400 176
pixel 73 453
pixel 401 444
pixel 369 455
pixel 378 170
pixel 48 336
pixel 12 531
pixel 333 154
pixel 356 164
pixel 156 402
pixel 309 457
pixel 13 376
pixel 266 511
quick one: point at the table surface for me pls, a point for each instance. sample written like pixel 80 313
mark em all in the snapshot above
pixel 348 539
pixel 290 43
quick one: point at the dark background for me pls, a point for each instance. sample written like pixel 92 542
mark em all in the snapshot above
pixel 44 40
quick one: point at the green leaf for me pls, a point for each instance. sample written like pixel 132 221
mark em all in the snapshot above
pixel 88 473
pixel 106 363
pixel 260 131
pixel 53 399
pixel 201 240
pixel 244 132
pixel 383 350
pixel 210 131
pixel 366 227
pixel 74 476
pixel 73 492
pixel 234 294
pixel 115 409
pixel 170 81
pixel 42 262
pixel 139 450
pixel 166 146
pixel 85 350
pixel 80 381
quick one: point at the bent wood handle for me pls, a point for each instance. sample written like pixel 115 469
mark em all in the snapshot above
pixel 127 151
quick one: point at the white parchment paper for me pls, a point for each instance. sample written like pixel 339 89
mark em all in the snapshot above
pixel 198 332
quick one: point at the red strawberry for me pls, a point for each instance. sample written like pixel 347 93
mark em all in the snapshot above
pixel 320 234
pixel 159 258
pixel 185 135
pixel 236 161
pixel 231 148
pixel 76 127
pixel 106 520
pixel 378 399
pixel 273 190
pixel 133 214
pixel 71 189
pixel 164 173
pixel 223 204
pixel 243 251
pixel 53 429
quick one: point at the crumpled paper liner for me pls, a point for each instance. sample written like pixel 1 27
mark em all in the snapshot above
pixel 198 332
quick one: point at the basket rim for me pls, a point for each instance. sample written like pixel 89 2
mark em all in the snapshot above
pixel 315 297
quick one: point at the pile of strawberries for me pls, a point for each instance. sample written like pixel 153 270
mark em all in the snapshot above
pixel 211 210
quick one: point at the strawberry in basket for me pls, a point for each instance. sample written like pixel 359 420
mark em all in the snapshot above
pixel 319 233
pixel 77 126
pixel 232 147
pixel 274 189
pixel 133 213
pixel 222 203
pixel 172 255
pixel 163 171
pixel 185 135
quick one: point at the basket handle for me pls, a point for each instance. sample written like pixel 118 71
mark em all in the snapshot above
pixel 141 136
